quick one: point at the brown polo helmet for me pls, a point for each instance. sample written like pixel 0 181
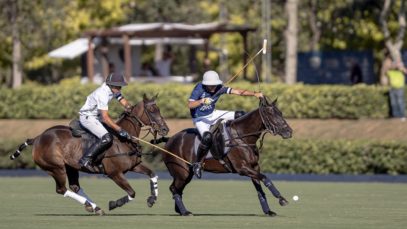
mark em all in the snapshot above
pixel 116 79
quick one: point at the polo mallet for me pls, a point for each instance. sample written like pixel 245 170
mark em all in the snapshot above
pixel 135 139
pixel 263 49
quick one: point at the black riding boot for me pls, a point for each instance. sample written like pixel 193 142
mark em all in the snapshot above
pixel 197 166
pixel 203 149
pixel 96 149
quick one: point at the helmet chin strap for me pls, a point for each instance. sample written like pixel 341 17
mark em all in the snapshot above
pixel 112 88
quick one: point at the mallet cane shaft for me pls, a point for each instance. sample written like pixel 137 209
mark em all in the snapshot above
pixel 263 49
pixel 133 138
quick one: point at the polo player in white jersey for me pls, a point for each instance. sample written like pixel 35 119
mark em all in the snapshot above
pixel 202 107
pixel 95 111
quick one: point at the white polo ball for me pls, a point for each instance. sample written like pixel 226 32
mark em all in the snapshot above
pixel 295 198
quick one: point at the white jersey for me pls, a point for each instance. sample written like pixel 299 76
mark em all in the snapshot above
pixel 98 100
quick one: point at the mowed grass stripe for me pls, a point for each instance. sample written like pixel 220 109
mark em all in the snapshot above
pixel 33 203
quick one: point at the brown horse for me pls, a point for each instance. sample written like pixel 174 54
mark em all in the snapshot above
pixel 57 152
pixel 243 157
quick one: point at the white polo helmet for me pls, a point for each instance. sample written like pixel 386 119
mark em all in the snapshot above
pixel 211 78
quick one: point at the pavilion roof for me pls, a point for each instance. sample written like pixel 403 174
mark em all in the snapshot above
pixel 203 30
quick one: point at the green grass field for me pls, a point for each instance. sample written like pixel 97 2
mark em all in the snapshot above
pixel 33 203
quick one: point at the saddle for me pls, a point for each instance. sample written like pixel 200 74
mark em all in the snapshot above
pixel 88 139
pixel 220 136
pixel 77 129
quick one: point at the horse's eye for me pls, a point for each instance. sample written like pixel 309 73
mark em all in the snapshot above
pixel 151 109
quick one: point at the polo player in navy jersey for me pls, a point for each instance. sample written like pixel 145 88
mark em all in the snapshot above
pixel 202 107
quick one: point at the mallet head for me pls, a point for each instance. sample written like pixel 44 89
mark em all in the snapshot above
pixel 264 46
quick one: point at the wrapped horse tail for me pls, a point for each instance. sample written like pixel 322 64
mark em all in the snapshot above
pixel 17 153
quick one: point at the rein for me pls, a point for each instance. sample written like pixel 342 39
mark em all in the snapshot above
pixel 269 128
pixel 142 124
pixel 133 120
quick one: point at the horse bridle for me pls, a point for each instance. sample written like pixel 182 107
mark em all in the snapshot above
pixel 269 128
pixel 142 124
pixel 268 124
pixel 149 116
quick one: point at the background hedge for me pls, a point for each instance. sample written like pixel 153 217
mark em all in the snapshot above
pixel 334 157
pixel 292 156
pixel 298 101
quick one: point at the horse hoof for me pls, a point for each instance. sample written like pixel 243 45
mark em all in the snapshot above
pixel 99 211
pixel 271 213
pixel 151 201
pixel 187 213
pixel 112 205
pixel 282 201
pixel 88 207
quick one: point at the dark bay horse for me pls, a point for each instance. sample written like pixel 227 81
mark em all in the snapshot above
pixel 57 152
pixel 243 157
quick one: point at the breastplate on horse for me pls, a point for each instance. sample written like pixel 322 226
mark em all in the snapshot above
pixel 242 158
pixel 57 152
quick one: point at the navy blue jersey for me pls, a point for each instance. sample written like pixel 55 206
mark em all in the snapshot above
pixel 200 92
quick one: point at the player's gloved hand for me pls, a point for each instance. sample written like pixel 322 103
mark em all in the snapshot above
pixel 128 109
pixel 207 101
pixel 258 95
pixel 124 134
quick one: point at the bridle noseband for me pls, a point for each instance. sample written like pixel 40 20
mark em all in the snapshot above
pixel 270 127
pixel 146 112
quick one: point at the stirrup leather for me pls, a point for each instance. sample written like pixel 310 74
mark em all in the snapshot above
pixel 226 166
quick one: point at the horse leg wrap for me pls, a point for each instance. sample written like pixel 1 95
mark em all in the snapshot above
pixel 154 186
pixel 272 188
pixel 120 202
pixel 263 203
pixel 75 196
pixel 179 204
pixel 18 152
pixel 82 193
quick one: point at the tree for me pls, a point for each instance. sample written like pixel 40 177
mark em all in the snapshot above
pixel 12 9
pixel 393 46
pixel 314 24
pixel 291 42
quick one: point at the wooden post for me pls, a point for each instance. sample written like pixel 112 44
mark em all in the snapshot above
pixel 206 58
pixel 244 35
pixel 127 57
pixel 90 59
pixel 105 58
pixel 291 35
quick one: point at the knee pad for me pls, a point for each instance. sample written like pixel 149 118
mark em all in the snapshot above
pixel 107 139
pixel 207 138
pixel 239 114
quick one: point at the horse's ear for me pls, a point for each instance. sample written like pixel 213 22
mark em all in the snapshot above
pixel 263 101
pixel 155 96
pixel 145 97
pixel 267 100
pixel 275 102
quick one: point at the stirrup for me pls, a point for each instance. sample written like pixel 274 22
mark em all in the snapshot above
pixel 226 166
pixel 85 162
pixel 197 168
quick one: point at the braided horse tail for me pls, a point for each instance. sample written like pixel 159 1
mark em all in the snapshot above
pixel 17 153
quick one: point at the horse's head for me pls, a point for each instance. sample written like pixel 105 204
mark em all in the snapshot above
pixel 148 113
pixel 273 119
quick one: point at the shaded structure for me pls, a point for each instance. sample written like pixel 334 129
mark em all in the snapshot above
pixel 128 36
